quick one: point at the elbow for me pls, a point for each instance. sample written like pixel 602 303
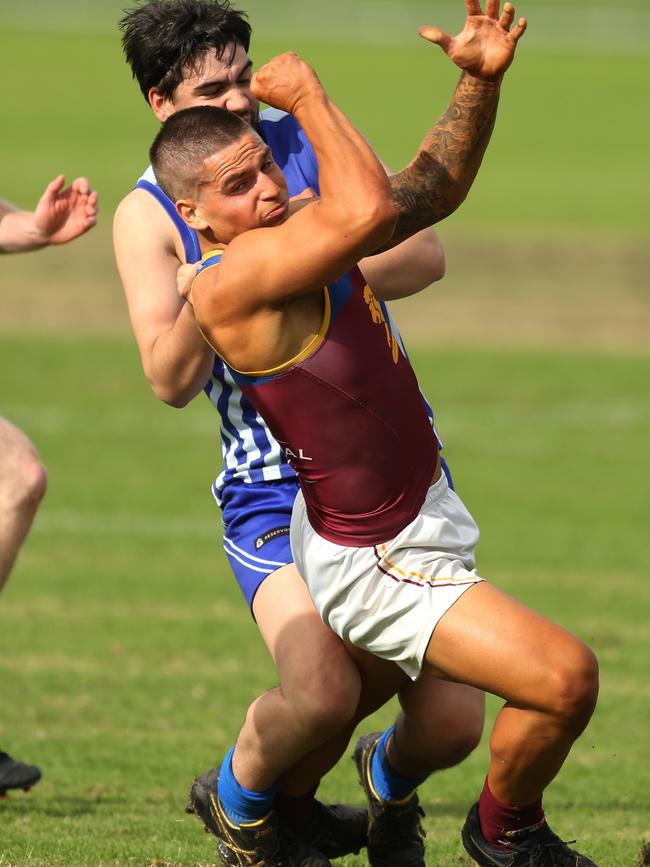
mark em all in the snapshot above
pixel 177 401
pixel 387 216
pixel 379 222
pixel 454 200
pixel 172 396
pixel 439 268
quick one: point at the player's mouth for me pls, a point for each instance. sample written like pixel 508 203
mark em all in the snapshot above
pixel 277 215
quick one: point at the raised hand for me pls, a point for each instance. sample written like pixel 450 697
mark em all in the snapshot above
pixel 486 46
pixel 64 214
pixel 285 82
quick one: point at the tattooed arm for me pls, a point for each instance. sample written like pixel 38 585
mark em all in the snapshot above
pixel 438 179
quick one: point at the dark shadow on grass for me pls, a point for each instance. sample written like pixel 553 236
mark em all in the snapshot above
pixel 58 808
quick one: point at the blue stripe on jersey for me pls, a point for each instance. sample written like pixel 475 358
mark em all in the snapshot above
pixel 250 454
pixel 249 451
pixel 339 297
pixel 188 236
pixel 291 150
pixel 248 443
pixel 213 258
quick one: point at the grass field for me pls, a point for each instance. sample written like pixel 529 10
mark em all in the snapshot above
pixel 127 657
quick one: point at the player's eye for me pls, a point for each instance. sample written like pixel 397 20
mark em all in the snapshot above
pixel 239 186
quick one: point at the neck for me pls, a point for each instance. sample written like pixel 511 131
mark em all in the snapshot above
pixel 208 241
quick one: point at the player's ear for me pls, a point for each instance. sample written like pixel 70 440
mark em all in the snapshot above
pixel 161 106
pixel 187 210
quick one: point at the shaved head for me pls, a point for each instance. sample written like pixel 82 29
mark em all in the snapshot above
pixel 186 140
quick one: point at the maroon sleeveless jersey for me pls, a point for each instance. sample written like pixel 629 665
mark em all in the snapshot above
pixel 351 420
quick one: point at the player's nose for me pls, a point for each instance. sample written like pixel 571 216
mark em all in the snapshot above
pixel 268 188
pixel 238 100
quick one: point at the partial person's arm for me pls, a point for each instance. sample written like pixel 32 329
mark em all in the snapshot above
pixel 354 214
pixel 403 270
pixel 407 268
pixel 61 215
pixel 175 358
pixel 437 181
pixel 256 271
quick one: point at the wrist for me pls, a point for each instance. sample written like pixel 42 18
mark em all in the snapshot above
pixel 20 233
pixel 308 102
pixel 486 85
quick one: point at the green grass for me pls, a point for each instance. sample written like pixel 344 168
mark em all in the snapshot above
pixel 569 151
pixel 127 658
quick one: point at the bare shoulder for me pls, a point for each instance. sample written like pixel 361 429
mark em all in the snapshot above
pixel 140 219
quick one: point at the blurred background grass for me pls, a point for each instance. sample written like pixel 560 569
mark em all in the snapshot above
pixel 551 245
pixel 126 655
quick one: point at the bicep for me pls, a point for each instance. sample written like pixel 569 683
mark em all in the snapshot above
pixel 148 264
pixel 265 266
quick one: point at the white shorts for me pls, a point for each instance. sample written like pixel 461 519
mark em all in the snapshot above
pixel 388 598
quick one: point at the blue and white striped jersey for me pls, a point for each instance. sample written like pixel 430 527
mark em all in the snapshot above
pixel 250 453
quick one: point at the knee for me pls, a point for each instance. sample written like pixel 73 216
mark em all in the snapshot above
pixel 33 478
pixel 441 742
pixel 328 704
pixel 575 688
pixel 466 736
pixel 24 482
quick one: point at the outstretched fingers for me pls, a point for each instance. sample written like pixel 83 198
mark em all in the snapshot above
pixel 435 34
pixel 473 7
pixel 492 9
pixel 507 16
pixel 506 19
pixel 518 30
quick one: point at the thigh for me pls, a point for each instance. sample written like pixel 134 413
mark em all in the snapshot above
pixel 491 641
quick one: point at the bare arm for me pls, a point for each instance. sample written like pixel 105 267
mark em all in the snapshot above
pixel 407 268
pixel 439 178
pixel 322 240
pixel 175 358
pixel 61 215
pixel 402 270
pixel 437 181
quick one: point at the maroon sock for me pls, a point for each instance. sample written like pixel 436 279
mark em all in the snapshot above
pixel 497 818
pixel 296 810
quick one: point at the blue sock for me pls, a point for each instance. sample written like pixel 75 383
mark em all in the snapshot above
pixel 243 806
pixel 389 785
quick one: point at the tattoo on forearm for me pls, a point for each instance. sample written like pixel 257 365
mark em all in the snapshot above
pixel 440 176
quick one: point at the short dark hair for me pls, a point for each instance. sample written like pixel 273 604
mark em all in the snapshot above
pixel 163 39
pixel 185 140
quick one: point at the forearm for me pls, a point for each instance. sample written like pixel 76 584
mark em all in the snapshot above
pixel 439 178
pixel 18 231
pixel 407 268
pixel 353 184
pixel 179 362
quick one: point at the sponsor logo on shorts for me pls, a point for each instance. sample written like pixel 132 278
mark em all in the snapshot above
pixel 270 535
